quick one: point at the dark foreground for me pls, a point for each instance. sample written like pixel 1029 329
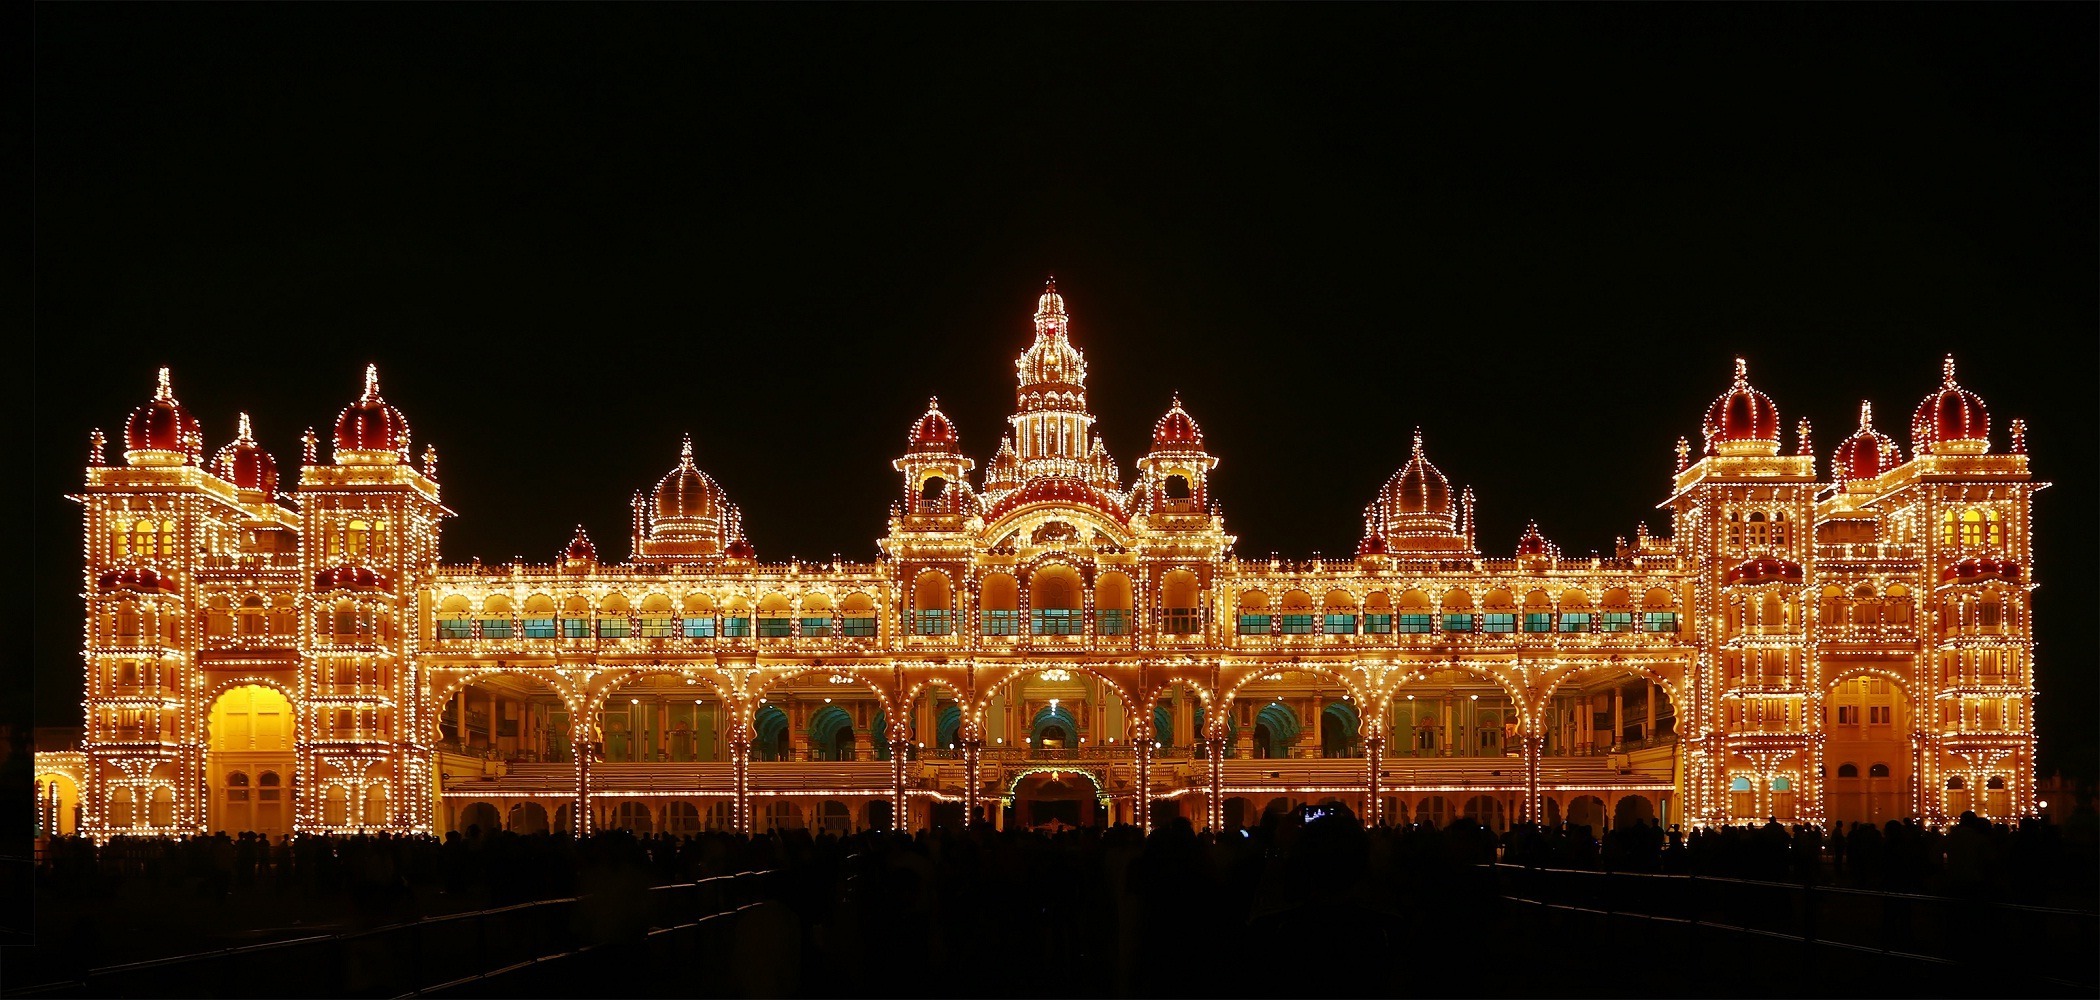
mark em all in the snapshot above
pixel 1293 908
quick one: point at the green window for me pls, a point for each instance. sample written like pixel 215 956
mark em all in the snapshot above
pixel 575 628
pixel 700 627
pixel 858 628
pixel 1379 624
pixel 657 627
pixel 1417 623
pixel 539 628
pixel 1254 624
pixel 612 628
pixel 1002 623
pixel 455 628
pixel 1056 621
pixel 816 628
pixel 1112 621
pixel 775 628
pixel 1618 621
pixel 1538 621
pixel 1340 625
pixel 1458 623
pixel 495 628
pixel 1183 621
pixel 933 622
pixel 1297 624
pixel 736 628
pixel 1498 622
pixel 1658 621
pixel 1575 621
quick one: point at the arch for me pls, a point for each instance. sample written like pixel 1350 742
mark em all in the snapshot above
pixel 697 605
pixel 1282 727
pixel 947 725
pixel 1658 599
pixel 682 818
pixel 1488 811
pixel 528 818
pixel 831 734
pixel 932 593
pixel 770 740
pixel 1457 601
pixel 1634 809
pixel 1339 729
pixel 1112 591
pixel 999 592
pixel 1586 811
pixel 633 816
pixel 1848 770
pixel 613 605
pixel 250 728
pixel 1179 591
pixel 1295 601
pixel 1108 684
pixel 1054 721
pixel 1055 585
pixel 1499 599
pixel 544 712
pixel 1254 601
pixel 1433 810
pixel 670 714
pixel 1339 602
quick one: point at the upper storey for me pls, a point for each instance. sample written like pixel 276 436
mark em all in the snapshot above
pixel 1051 432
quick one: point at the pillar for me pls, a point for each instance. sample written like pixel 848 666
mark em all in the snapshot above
pixel 460 715
pixel 1374 755
pixel 972 766
pixel 580 819
pixel 1533 746
pixel 1648 729
pixel 1618 715
pixel 1142 801
pixel 1217 782
pixel 898 748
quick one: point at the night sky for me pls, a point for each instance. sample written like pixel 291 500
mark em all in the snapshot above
pixel 570 234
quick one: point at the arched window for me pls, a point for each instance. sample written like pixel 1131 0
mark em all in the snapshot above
pixel 495 617
pixel 1297 613
pixel 857 617
pixel 1177 488
pixel 613 621
pixel 1113 604
pixel 1178 602
pixel 253 625
pixel 775 617
pixel 455 617
pixel 335 806
pixel 218 617
pixel 1778 529
pixel 697 617
pixel 657 620
pixel 999 604
pixel 1054 601
pixel 1254 617
pixel 1339 614
pixel 1498 611
pixel 1881 771
pixel 933 606
pixel 1848 770
pixel 1754 530
pixel 355 535
pixel 1458 611
pixel 1378 613
pixel 815 619
pixel 1735 530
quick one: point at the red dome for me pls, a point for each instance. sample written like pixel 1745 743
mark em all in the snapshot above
pixel 351 577
pixel 1067 490
pixel 161 424
pixel 934 431
pixel 144 579
pixel 1743 421
pixel 1978 568
pixel 1951 421
pixel 245 464
pixel 1372 545
pixel 371 425
pixel 1764 569
pixel 1533 543
pixel 741 548
pixel 1177 431
pixel 688 499
pixel 580 548
pixel 1867 453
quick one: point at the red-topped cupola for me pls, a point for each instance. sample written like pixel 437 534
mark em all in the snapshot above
pixel 1867 453
pixel 741 550
pixel 370 431
pixel 934 431
pixel 1176 430
pixel 162 432
pixel 1951 421
pixel 1532 544
pixel 246 465
pixel 1743 421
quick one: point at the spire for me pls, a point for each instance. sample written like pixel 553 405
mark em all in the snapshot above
pixel 2019 437
pixel 163 391
pixel 1742 373
pixel 1050 303
pixel 312 447
pixel 98 448
pixel 1866 414
pixel 1418 442
pixel 371 381
pixel 685 452
pixel 1684 454
pixel 1801 437
pixel 247 433
pixel 1946 370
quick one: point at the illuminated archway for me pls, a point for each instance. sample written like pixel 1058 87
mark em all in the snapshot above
pixel 250 762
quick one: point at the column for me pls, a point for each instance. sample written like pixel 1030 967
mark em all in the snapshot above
pixel 1374 756
pixel 580 741
pixel 1217 782
pixel 1618 715
pixel 459 714
pixel 740 779
pixel 972 749
pixel 1185 720
pixel 1141 740
pixel 1532 746
pixel 898 748
pixel 1648 729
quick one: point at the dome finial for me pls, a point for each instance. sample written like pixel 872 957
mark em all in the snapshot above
pixel 933 402
pixel 163 391
pixel 371 381
pixel 247 433
pixel 1418 442
pixel 685 451
pixel 1866 415
pixel 1947 369
pixel 1742 372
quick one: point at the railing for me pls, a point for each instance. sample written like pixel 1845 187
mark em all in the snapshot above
pixel 249 561
pixel 1865 550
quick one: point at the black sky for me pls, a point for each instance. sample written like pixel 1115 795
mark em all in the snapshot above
pixel 569 234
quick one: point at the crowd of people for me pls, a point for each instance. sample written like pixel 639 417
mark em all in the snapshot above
pixel 1082 898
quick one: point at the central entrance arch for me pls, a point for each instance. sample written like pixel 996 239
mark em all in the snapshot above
pixel 1051 799
pixel 250 761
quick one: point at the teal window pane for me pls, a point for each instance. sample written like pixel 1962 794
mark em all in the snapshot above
pixel 700 628
pixel 495 628
pixel 1254 624
pixel 1056 621
pixel 1297 624
pixel 1182 621
pixel 736 628
pixel 1340 625
pixel 775 628
pixel 1378 624
pixel 816 628
pixel 1113 621
pixel 657 627
pixel 1416 623
pixel 933 622
pixel 612 628
pixel 1658 621
pixel 1002 622
pixel 539 628
pixel 1538 621
pixel 1575 621
pixel 454 629
pixel 858 628
pixel 1618 621
pixel 1496 622
pixel 1458 623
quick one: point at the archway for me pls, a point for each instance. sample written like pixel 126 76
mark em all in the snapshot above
pixel 1054 728
pixel 831 734
pixel 57 805
pixel 770 739
pixel 827 714
pixel 478 819
pixel 528 817
pixel 1275 730
pixel 250 761
pixel 1052 800
pixel 1451 712
pixel 1434 811
pixel 1867 723
pixel 1487 810
pixel 1605 709
pixel 513 717
pixel 1632 809
pixel 663 717
pixel 1338 730
pixel 1586 811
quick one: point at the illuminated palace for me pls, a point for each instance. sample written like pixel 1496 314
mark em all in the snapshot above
pixel 1043 644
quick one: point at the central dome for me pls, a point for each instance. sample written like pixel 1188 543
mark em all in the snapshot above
pixel 161 431
pixel 1743 421
pixel 686 494
pixel 245 464
pixel 1419 488
pixel 370 431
